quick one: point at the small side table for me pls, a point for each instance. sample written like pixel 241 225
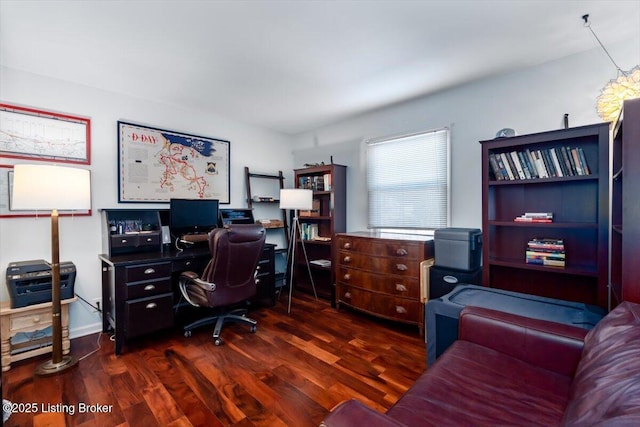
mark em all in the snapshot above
pixel 30 319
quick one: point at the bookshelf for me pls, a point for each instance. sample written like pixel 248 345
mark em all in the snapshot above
pixel 625 209
pixel 320 225
pixel 578 203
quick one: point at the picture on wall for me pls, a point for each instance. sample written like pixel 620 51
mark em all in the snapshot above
pixel 27 133
pixel 156 165
pixel 6 211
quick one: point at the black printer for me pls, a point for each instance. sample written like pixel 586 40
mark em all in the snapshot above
pixel 29 282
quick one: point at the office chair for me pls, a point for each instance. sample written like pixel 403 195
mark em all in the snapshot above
pixel 228 279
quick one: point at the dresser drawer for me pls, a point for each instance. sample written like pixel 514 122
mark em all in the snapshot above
pixel 394 265
pixel 387 306
pixel 390 248
pixel 403 286
pixel 148 271
pixel 146 315
pixel 148 288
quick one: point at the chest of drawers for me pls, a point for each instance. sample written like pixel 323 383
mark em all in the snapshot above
pixel 380 274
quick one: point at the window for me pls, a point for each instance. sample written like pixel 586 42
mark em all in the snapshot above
pixel 408 181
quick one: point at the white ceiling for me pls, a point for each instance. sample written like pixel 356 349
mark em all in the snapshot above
pixel 292 66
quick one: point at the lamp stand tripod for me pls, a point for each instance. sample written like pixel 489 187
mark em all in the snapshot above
pixel 296 231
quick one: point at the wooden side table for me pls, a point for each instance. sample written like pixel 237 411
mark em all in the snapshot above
pixel 30 319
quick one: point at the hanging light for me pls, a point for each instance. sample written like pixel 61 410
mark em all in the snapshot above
pixel 625 86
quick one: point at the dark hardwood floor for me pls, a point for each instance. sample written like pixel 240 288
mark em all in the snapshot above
pixel 291 372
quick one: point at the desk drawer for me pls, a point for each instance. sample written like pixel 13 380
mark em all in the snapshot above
pixel 196 265
pixel 147 315
pixel 39 319
pixel 390 307
pixel 148 288
pixel 139 273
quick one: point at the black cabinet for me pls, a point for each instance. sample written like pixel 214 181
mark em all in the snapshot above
pixel 444 280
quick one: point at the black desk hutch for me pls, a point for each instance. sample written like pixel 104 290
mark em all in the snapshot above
pixel 139 275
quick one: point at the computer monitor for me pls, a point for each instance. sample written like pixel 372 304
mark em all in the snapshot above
pixel 236 216
pixel 188 216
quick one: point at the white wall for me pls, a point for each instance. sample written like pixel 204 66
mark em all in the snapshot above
pixel 529 101
pixel 80 237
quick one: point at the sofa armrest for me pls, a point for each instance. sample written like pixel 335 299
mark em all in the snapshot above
pixel 353 413
pixel 549 345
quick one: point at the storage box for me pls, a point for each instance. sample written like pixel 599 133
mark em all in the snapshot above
pixel 458 248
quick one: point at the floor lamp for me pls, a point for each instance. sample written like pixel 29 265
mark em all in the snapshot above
pixel 45 187
pixel 295 199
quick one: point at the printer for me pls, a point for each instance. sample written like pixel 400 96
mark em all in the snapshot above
pixel 29 282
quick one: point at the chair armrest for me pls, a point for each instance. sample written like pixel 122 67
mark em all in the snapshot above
pixel 549 345
pixel 194 289
pixel 353 413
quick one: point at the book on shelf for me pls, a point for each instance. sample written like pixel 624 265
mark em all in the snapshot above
pixel 315 182
pixel 536 164
pixel 321 262
pixel 535 217
pixel 547 252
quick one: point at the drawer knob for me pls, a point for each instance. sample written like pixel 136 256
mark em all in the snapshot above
pixel 400 309
pixel 347 295
pixel 347 276
pixel 149 287
pixel 149 271
pixel 400 287
pixel 347 245
pixel 149 239
pixel 401 252
pixel 152 305
pixel 123 241
pixel 347 259
pixel 401 267
pixel 36 319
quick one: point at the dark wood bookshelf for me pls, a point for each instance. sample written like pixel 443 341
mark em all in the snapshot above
pixel 580 207
pixel 331 219
pixel 625 208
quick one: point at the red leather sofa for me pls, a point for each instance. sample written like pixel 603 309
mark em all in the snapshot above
pixel 510 370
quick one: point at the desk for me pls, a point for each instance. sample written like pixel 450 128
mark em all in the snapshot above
pixel 139 289
pixel 30 319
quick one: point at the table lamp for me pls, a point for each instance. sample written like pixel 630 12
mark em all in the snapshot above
pixel 49 188
pixel 295 199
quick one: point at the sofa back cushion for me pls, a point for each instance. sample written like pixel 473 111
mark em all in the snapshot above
pixel 606 388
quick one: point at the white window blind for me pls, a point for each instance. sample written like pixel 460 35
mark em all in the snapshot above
pixel 408 181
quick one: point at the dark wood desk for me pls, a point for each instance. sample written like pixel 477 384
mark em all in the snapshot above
pixel 139 290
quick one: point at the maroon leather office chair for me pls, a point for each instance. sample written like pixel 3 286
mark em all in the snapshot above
pixel 228 279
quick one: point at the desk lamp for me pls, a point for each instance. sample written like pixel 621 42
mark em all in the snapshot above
pixel 45 187
pixel 294 199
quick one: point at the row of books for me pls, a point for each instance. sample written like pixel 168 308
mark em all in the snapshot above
pixel 535 164
pixel 315 182
pixel 309 231
pixel 535 217
pixel 548 252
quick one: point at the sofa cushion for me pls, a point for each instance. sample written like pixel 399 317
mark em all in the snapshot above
pixel 606 390
pixel 475 385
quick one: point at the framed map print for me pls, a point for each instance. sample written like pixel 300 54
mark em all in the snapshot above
pixel 155 165
pixel 27 133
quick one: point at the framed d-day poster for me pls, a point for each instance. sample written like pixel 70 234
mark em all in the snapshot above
pixel 27 133
pixel 156 165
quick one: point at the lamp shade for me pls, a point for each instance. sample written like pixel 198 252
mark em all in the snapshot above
pixel 46 187
pixel 296 198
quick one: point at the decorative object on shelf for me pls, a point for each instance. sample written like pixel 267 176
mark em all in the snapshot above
pixel 626 85
pixel 51 188
pixel 505 133
pixel 155 165
pixel 28 133
pixel 296 199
